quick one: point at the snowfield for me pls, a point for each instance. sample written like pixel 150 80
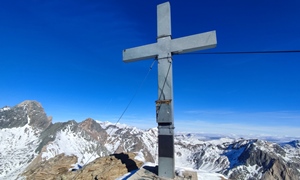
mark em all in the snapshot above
pixel 17 150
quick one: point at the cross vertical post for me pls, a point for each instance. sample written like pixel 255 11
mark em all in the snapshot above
pixel 164 104
pixel 162 50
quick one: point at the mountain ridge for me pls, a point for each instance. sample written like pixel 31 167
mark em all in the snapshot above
pixel 34 139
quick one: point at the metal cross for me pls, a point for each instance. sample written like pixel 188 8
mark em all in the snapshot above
pixel 163 51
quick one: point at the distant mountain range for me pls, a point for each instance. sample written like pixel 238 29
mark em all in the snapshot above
pixel 28 138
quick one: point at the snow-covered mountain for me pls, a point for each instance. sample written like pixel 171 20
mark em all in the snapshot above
pixel 242 158
pixel 28 138
pixel 25 142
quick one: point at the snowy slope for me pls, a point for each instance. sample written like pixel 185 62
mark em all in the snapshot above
pixel 123 138
pixel 17 150
pixel 179 172
pixel 87 147
pixel 72 143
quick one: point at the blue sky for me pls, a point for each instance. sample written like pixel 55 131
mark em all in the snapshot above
pixel 68 56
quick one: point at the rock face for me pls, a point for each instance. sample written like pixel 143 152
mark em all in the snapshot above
pixel 27 112
pixel 32 147
pixel 280 170
pixel 270 159
pixel 110 168
pixel 248 160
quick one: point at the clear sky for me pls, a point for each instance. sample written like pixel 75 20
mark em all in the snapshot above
pixel 68 56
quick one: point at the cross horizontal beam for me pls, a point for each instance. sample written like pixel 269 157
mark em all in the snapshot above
pixel 194 43
pixel 176 46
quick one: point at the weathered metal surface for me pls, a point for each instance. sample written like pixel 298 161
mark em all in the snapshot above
pixel 194 43
pixel 140 53
pixel 163 20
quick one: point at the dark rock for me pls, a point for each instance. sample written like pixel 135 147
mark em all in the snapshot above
pixel 273 166
pixel 27 112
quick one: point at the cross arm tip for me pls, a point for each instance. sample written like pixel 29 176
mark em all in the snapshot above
pixel 164 4
pixel 140 53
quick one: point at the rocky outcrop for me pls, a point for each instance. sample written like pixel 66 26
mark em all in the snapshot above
pixel 93 129
pixel 108 168
pixel 279 170
pixel 60 167
pixel 27 112
pixel 52 168
pixel 272 164
pixel 268 159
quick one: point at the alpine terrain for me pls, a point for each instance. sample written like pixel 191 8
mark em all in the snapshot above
pixel 32 147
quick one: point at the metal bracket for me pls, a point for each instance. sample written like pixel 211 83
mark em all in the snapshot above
pixel 163 111
pixel 166 101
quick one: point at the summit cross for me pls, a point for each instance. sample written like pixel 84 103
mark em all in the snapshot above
pixel 163 50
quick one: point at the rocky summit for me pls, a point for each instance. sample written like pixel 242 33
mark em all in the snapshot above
pixel 60 167
pixel 27 112
pixel 32 147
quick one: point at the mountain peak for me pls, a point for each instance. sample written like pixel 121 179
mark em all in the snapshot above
pixel 27 112
pixel 29 103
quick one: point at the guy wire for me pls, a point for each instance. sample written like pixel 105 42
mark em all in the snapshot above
pixel 243 52
pixel 132 98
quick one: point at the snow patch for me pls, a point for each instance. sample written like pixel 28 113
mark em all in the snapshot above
pixel 6 108
pixel 140 156
pixel 28 119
